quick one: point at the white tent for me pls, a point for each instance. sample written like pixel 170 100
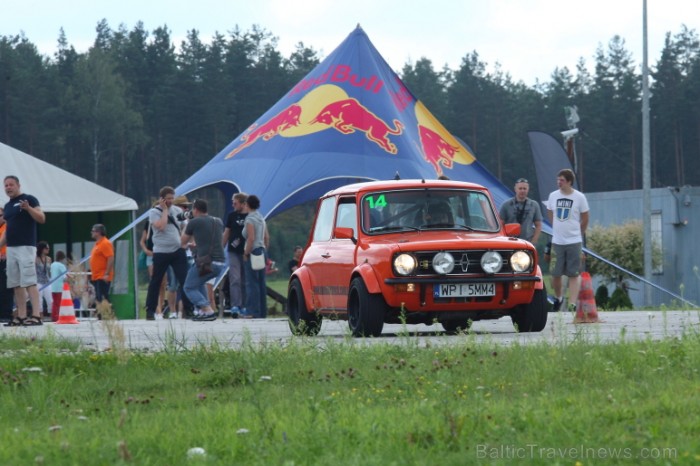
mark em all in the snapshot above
pixel 57 189
pixel 72 205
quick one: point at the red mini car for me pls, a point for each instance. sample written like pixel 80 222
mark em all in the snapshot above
pixel 414 251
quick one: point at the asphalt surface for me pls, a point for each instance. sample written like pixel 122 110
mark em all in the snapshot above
pixel 179 334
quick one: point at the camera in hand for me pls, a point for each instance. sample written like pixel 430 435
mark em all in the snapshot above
pixel 186 215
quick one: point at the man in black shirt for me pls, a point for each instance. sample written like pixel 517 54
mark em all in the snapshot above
pixel 22 214
pixel 233 242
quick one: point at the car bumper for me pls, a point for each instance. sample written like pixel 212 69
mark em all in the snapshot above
pixel 416 294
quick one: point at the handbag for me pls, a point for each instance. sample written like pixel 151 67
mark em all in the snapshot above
pixel 257 261
pixel 204 263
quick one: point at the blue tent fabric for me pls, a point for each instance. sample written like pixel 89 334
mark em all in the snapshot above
pixel 350 119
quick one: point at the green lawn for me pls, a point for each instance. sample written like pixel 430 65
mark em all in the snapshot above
pixel 334 401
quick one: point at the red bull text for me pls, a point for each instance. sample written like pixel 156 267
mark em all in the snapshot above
pixel 340 74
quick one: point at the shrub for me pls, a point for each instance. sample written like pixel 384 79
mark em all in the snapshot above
pixel 620 300
pixel 622 245
pixel 602 297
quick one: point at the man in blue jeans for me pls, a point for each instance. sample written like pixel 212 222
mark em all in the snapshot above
pixel 207 233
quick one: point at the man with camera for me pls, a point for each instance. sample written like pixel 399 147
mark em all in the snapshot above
pixel 523 210
pixel 166 219
pixel 204 234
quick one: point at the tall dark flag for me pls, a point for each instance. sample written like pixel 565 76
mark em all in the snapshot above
pixel 550 157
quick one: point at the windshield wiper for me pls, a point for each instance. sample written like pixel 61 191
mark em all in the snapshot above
pixel 392 228
pixel 446 225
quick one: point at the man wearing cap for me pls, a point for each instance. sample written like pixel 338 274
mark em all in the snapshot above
pixel 101 263
pixel 205 232
pixel 523 210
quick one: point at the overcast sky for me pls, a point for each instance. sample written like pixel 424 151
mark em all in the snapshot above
pixel 529 38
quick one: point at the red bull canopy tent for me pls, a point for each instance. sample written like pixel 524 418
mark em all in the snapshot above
pixel 350 119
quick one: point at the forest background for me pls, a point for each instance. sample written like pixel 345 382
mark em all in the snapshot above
pixel 136 112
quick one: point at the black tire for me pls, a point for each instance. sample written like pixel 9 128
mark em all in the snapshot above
pixel 365 310
pixel 532 317
pixel 301 321
pixel 455 326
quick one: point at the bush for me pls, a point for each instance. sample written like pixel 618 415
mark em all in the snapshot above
pixel 602 297
pixel 619 300
pixel 622 245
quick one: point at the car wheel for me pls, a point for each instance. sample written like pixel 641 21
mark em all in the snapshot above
pixel 365 310
pixel 455 326
pixel 301 321
pixel 532 317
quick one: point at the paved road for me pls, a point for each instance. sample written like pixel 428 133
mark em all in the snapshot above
pixel 231 333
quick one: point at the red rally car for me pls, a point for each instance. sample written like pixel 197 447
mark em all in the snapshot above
pixel 414 251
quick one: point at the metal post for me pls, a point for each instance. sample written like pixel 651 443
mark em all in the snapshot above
pixel 646 162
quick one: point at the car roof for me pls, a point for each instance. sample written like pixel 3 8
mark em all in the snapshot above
pixel 358 188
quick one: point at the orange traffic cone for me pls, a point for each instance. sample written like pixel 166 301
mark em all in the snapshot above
pixel 586 312
pixel 66 315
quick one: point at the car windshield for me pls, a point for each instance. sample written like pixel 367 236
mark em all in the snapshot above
pixel 427 209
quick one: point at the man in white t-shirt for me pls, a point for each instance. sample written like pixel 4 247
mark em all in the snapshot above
pixel 165 220
pixel 568 210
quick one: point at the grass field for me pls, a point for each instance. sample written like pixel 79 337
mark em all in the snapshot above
pixel 326 401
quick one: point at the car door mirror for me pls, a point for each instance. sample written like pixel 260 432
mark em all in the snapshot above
pixel 344 233
pixel 512 229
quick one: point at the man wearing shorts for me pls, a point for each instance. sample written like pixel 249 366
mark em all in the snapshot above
pixel 22 214
pixel 568 213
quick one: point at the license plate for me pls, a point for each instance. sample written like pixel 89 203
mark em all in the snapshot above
pixel 464 290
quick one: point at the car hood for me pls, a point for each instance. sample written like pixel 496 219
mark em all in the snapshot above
pixel 450 240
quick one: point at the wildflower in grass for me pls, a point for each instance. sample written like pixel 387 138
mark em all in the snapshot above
pixel 242 431
pixel 201 396
pixel 264 378
pixel 55 428
pixel 196 452
pixel 124 452
pixel 32 369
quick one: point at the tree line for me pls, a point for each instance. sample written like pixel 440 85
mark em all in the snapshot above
pixel 136 112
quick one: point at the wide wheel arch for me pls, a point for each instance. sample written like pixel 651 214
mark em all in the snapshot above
pixel 532 317
pixel 365 310
pixel 301 320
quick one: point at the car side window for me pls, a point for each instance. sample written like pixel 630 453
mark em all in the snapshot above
pixel 324 220
pixel 347 217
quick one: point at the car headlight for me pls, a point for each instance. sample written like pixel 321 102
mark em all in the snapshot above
pixel 520 261
pixel 405 264
pixel 443 263
pixel 491 262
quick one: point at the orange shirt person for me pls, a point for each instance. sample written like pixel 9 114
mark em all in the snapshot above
pixel 6 295
pixel 101 263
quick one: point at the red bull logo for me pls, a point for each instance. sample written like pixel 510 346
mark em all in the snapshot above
pixel 436 151
pixel 349 115
pixel 286 119
pixel 324 107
